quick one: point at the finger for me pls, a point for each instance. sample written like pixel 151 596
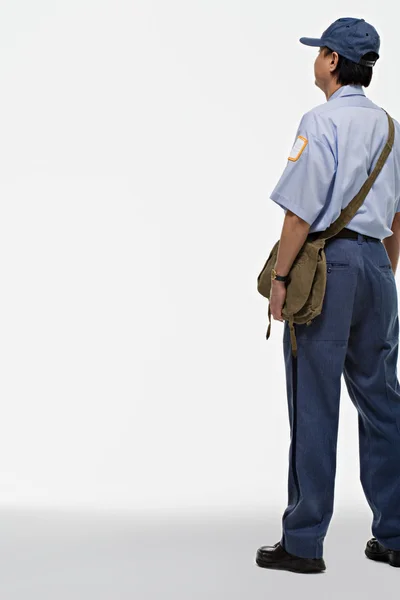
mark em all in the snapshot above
pixel 277 315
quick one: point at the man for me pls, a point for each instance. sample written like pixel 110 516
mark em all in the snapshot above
pixel 336 147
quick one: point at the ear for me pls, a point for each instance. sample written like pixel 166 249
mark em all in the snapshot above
pixel 334 60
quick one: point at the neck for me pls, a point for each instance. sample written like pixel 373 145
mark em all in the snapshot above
pixel 331 88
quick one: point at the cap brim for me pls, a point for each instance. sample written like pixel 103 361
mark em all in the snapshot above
pixel 311 41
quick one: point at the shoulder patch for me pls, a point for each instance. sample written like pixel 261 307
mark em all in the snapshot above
pixel 298 147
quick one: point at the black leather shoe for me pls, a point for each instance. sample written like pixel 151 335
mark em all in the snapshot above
pixel 276 557
pixel 375 551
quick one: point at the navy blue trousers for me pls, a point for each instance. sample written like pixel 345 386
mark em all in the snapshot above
pixel 356 335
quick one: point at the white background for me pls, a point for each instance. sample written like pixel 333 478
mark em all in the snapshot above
pixel 139 144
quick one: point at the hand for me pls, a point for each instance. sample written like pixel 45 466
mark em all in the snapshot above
pixel 277 299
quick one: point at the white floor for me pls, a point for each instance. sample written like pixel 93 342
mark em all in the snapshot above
pixel 50 555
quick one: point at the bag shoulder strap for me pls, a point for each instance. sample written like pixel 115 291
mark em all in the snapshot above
pixel 350 210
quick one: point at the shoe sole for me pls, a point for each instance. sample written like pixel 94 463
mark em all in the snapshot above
pixel 286 567
pixel 383 557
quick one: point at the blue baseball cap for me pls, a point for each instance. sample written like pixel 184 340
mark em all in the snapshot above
pixel 349 37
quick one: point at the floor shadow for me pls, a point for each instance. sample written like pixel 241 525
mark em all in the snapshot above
pixel 60 555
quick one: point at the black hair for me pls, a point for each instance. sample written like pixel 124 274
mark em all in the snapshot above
pixel 348 72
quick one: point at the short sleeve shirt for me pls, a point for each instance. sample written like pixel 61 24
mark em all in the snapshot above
pixel 334 150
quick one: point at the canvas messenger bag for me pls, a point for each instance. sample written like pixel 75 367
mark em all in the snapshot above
pixel 306 282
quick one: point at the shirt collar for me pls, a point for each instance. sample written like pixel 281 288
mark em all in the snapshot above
pixel 348 90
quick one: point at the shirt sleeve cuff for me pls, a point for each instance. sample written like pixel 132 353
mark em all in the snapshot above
pixel 290 205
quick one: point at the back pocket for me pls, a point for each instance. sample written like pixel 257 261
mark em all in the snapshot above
pixel 330 265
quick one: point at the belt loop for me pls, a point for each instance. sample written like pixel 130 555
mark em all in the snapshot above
pixel 360 238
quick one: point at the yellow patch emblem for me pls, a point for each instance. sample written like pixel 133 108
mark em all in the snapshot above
pixel 298 147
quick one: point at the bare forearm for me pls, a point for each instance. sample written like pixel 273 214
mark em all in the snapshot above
pixel 294 234
pixel 392 245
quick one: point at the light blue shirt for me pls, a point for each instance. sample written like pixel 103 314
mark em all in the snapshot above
pixel 340 143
